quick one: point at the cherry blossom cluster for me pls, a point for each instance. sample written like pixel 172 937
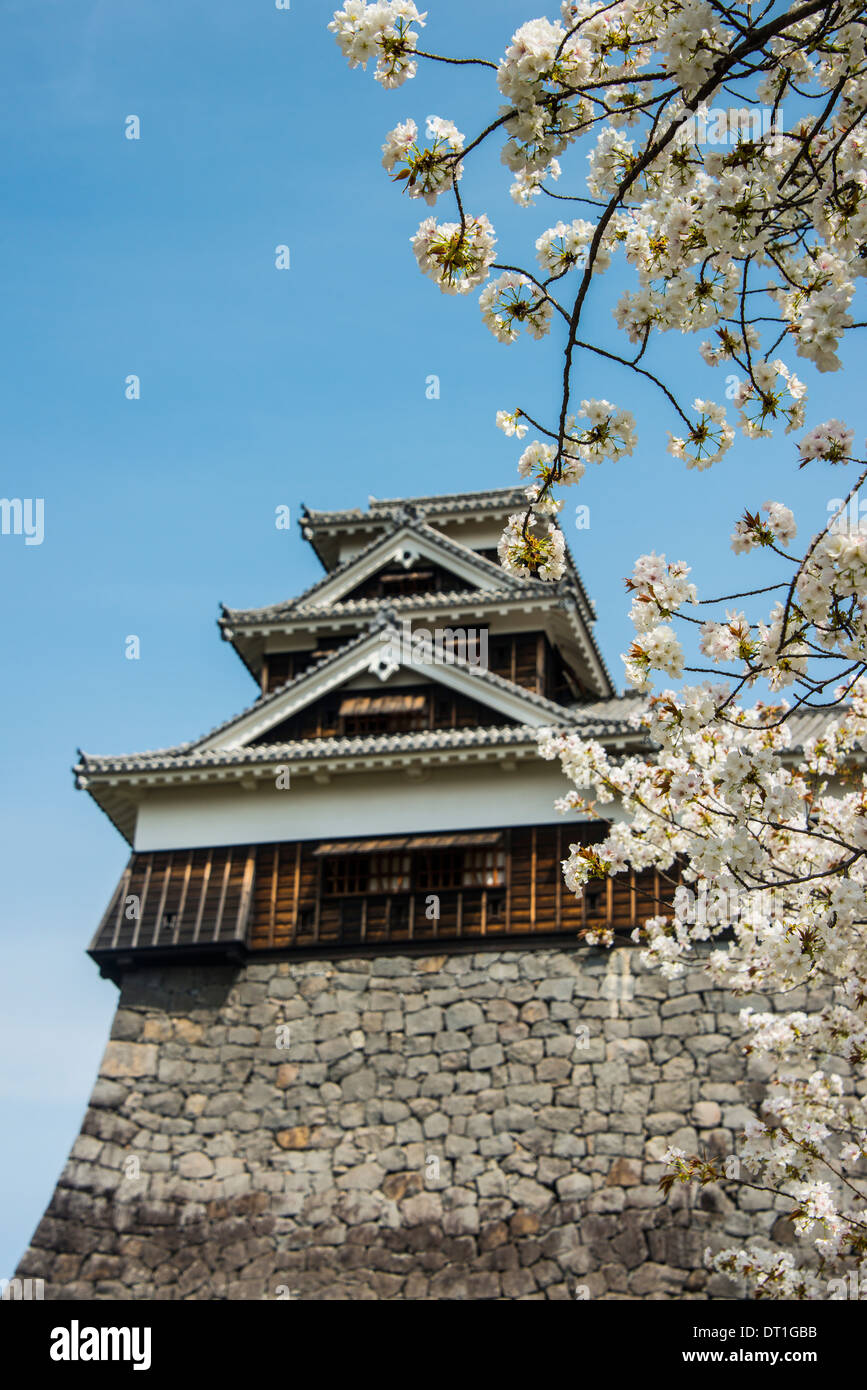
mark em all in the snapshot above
pixel 532 549
pixel 720 801
pixel 382 31
pixel 831 441
pixel 761 399
pixel 427 169
pixel 457 256
pixel 563 247
pixel 724 805
pixel 511 302
pixel 706 440
pixel 756 240
pixel 609 433
pixel 751 532
pixel 528 183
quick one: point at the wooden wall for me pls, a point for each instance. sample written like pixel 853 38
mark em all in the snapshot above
pixel 288 908
pixel 271 897
pixel 526 658
pixel 180 898
pixel 439 708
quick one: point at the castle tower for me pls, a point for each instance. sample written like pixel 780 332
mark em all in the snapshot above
pixel 361 1049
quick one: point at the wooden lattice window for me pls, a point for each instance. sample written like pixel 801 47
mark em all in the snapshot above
pixel 347 873
pixel 484 868
pixel 368 714
pixel 440 869
pixel 407 582
pixel 389 873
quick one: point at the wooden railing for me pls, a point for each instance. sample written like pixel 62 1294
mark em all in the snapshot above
pixel 419 916
pixel 275 897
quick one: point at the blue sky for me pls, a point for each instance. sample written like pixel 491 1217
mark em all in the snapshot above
pixel 259 387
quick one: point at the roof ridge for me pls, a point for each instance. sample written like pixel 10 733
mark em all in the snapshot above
pixel 384 504
pixel 334 746
pixel 431 597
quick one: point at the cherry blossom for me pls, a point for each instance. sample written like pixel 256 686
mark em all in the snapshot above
pixel 740 218
pixel 456 256
pixel 428 170
pixel 382 31
pixel 512 302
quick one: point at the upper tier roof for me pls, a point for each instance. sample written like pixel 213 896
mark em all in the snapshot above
pixel 327 531
pixel 447 534
pixel 485 572
pixel 500 501
pixel 396 529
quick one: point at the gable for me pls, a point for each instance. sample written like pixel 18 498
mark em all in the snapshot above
pixel 405 548
pixel 381 654
pixel 394 579
pixel 364 709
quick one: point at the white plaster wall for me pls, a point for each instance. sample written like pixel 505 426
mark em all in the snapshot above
pixel 355 804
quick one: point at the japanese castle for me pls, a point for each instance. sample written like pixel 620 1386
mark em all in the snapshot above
pixel 384 786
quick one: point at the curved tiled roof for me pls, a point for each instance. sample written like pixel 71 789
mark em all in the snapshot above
pixel 186 757
pixel 496 499
pixel 490 498
pixel 561 714
pixel 400 513
pixel 477 673
pixel 435 598
pixel 462 552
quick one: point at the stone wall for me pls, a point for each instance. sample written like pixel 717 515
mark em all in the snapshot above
pixel 473 1126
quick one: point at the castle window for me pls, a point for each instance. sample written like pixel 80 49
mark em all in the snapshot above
pixel 484 868
pixel 421 864
pixel 389 873
pixel 412 582
pixel 371 714
pixel 346 874
pixel 440 869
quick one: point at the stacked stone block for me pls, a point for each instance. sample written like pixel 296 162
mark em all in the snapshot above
pixel 474 1126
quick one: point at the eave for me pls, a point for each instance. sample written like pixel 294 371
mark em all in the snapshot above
pixel 321 529
pixel 249 633
pixel 117 784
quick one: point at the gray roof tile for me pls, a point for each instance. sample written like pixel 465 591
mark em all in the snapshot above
pixel 291 606
pixel 560 713
pixel 187 758
pixel 491 499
